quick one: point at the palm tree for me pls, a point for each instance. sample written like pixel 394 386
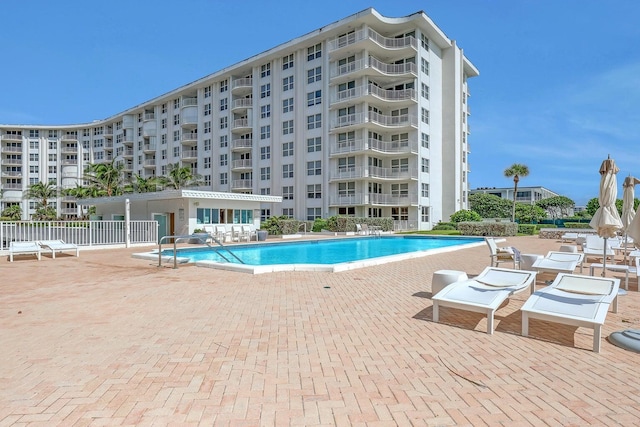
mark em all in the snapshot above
pixel 139 184
pixel 42 192
pixel 107 178
pixel 516 171
pixel 180 177
pixel 13 212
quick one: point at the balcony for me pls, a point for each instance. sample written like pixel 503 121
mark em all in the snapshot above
pixel 371 93
pixel 11 149
pixel 128 153
pixel 373 67
pixel 70 149
pixel 149 147
pixel 11 137
pixel 12 161
pixel 241 104
pixel 241 144
pixel 149 163
pixel 367 38
pixel 11 173
pixel 189 138
pixel 374 199
pixel 189 155
pixel 69 162
pixel 380 121
pixel 14 187
pixel 242 85
pixel 241 125
pixel 69 211
pixel 108 144
pixel 374 172
pixel 242 184
pixel 149 116
pixel 70 137
pixel 241 164
pixel 189 102
pixel 383 147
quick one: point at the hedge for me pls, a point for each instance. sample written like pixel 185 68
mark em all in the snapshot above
pixel 529 229
pixel 488 228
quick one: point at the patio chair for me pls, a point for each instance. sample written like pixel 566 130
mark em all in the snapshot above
pixel 59 246
pixel 573 300
pixel 238 234
pixel 360 229
pixel 222 234
pixel 594 247
pixel 250 233
pixel 484 293
pixel 559 262
pixel 22 248
pixel 500 255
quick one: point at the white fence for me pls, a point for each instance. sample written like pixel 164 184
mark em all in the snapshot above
pixel 82 233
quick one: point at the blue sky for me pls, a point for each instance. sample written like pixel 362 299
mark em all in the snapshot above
pixel 559 84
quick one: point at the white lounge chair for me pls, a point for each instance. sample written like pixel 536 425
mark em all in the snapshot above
pixel 238 234
pixel 574 300
pixel 22 248
pixel 59 246
pixel 499 255
pixel 594 247
pixel 484 293
pixel 249 232
pixel 559 262
pixel 222 233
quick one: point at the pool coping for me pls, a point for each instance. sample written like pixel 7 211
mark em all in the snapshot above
pixel 329 268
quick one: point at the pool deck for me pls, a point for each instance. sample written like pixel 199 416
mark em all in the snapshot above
pixel 107 339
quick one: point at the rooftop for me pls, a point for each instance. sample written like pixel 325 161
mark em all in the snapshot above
pixel 109 339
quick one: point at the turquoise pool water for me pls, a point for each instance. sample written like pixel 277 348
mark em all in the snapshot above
pixel 330 251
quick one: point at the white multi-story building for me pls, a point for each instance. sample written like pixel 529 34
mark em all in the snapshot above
pixel 364 117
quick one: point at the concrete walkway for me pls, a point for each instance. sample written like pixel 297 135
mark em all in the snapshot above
pixel 106 339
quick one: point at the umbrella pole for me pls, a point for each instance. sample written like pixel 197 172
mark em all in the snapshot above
pixel 625 249
pixel 604 258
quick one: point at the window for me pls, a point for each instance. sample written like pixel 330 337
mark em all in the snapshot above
pixel 53 134
pixel 176 119
pixel 314 52
pixel 224 178
pixel 164 108
pixel 163 123
pixel 314 75
pixel 265 111
pixel 287 105
pixel 424 66
pixel 163 154
pixel 265 90
pixel 224 85
pixel 98 143
pixel 207 144
pixel 163 138
pixel 314 98
pixel 265 191
pixel 287 62
pixel 346 189
pixel 400 165
pixel 53 157
pixel 425 214
pixel 224 104
pixel 425 91
pixel 424 116
pixel 224 141
pixel 313 213
pixel 314 121
pixel 207 126
pixel 288 212
pixel 265 153
pixel 424 41
pixel 287 192
pixel 207 180
pixel 346 164
pixel 265 174
pixel 35 133
pixel 207 162
pixel 287 149
pixel 424 140
pixel 314 144
pixel 400 214
pixel 287 83
pixel 287 171
pixel 425 189
pixel 176 151
pixel 33 157
pixel 265 132
pixel 314 191
pixel 425 165
pixel 176 136
pixel 34 144
pixel 287 127
pixel 223 160
pixel 314 168
pixel 224 122
pixel 265 70
pixel 176 103
pixel 207 92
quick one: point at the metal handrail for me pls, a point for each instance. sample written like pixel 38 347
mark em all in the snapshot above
pixel 192 236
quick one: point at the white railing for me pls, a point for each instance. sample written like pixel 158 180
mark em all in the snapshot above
pixel 368 33
pixel 187 102
pixel 149 116
pixel 82 233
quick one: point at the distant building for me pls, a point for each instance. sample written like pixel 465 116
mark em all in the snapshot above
pixel 524 195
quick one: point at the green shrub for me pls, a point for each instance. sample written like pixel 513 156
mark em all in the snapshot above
pixel 465 215
pixel 440 227
pixel 576 225
pixel 528 229
pixel 452 224
pixel 540 226
pixel 319 224
pixel 488 228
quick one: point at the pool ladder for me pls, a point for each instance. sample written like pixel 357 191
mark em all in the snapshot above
pixel 201 239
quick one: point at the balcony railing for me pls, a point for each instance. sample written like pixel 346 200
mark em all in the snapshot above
pixel 242 143
pixel 375 64
pixel 11 137
pixel 391 147
pixel 356 172
pixel 243 103
pixel 368 33
pixel 189 102
pixel 240 123
pixel 374 199
pixel 402 120
pixel 11 149
pixel 243 82
pixel 383 94
pixel 241 184
pixel 241 164
pixel 149 116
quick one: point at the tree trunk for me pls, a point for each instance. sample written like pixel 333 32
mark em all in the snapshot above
pixel 515 190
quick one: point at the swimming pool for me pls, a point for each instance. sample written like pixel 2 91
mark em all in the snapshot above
pixel 319 255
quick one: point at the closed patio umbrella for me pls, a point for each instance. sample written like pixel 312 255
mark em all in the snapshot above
pixel 628 213
pixel 606 221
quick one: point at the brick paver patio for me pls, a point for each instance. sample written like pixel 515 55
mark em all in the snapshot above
pixel 106 339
